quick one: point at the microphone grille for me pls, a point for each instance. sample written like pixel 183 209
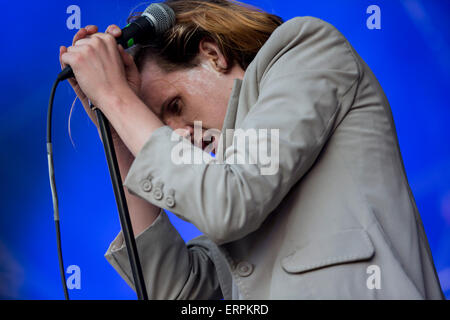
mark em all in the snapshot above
pixel 161 15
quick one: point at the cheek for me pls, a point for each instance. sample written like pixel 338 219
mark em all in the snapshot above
pixel 197 82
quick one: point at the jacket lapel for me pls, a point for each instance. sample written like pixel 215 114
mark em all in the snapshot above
pixel 226 136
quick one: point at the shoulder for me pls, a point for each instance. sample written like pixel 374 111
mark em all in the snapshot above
pixel 301 29
pixel 304 43
pixel 297 24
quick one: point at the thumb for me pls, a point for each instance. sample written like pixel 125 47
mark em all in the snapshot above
pixel 128 60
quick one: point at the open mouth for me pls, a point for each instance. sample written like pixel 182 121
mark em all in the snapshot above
pixel 204 138
pixel 209 144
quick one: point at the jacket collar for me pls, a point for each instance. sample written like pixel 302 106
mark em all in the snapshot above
pixel 230 120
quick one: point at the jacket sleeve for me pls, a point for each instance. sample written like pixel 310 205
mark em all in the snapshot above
pixel 171 268
pixel 306 77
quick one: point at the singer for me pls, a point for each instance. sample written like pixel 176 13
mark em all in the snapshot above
pixel 334 218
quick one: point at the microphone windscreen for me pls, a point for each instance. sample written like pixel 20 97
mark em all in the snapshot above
pixel 162 16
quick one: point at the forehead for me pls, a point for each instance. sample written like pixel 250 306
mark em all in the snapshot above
pixel 157 85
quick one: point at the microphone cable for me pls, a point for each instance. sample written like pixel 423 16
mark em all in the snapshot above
pixel 51 172
pixel 155 20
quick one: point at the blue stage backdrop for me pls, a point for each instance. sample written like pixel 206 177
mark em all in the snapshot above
pixel 409 56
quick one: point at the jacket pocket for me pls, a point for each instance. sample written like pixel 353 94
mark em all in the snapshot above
pixel 346 246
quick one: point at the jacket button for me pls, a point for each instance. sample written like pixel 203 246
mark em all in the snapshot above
pixel 146 185
pixel 158 193
pixel 244 268
pixel 170 202
pixel 170 199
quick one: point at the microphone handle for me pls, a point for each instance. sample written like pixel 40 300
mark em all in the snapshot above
pixel 131 35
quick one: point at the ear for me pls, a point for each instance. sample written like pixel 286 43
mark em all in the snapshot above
pixel 209 51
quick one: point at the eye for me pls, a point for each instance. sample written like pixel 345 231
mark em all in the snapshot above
pixel 174 108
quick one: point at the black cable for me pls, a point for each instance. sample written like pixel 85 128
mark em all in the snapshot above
pixel 61 263
pixel 51 172
pixel 118 191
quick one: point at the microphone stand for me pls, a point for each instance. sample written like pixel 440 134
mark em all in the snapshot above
pixel 124 215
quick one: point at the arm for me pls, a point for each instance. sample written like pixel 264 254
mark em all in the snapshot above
pixel 142 213
pixel 171 269
pixel 307 77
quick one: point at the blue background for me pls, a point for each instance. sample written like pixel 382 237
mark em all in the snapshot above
pixel 409 56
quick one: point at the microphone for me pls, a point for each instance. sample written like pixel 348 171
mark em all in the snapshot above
pixel 155 20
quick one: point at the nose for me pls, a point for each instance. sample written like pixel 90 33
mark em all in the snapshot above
pixel 174 122
pixel 185 130
pixel 189 131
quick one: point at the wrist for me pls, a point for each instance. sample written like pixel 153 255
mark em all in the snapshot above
pixel 131 117
pixel 116 100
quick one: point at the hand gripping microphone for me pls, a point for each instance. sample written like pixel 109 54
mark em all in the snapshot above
pixel 155 20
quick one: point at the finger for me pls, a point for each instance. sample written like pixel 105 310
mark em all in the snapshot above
pixel 107 37
pixel 79 35
pixel 83 32
pixel 91 29
pixel 92 43
pixel 62 50
pixel 68 58
pixel 77 48
pixel 84 51
pixel 64 62
pixel 127 58
pixel 109 41
pixel 128 61
pixel 82 42
pixel 114 30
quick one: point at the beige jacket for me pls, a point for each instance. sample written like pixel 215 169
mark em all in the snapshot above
pixel 336 221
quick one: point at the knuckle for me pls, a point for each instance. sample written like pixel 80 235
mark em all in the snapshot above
pixel 96 41
pixel 109 38
pixel 77 40
pixel 90 49
pixel 77 58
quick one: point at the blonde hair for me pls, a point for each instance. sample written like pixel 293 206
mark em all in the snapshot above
pixel 238 29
